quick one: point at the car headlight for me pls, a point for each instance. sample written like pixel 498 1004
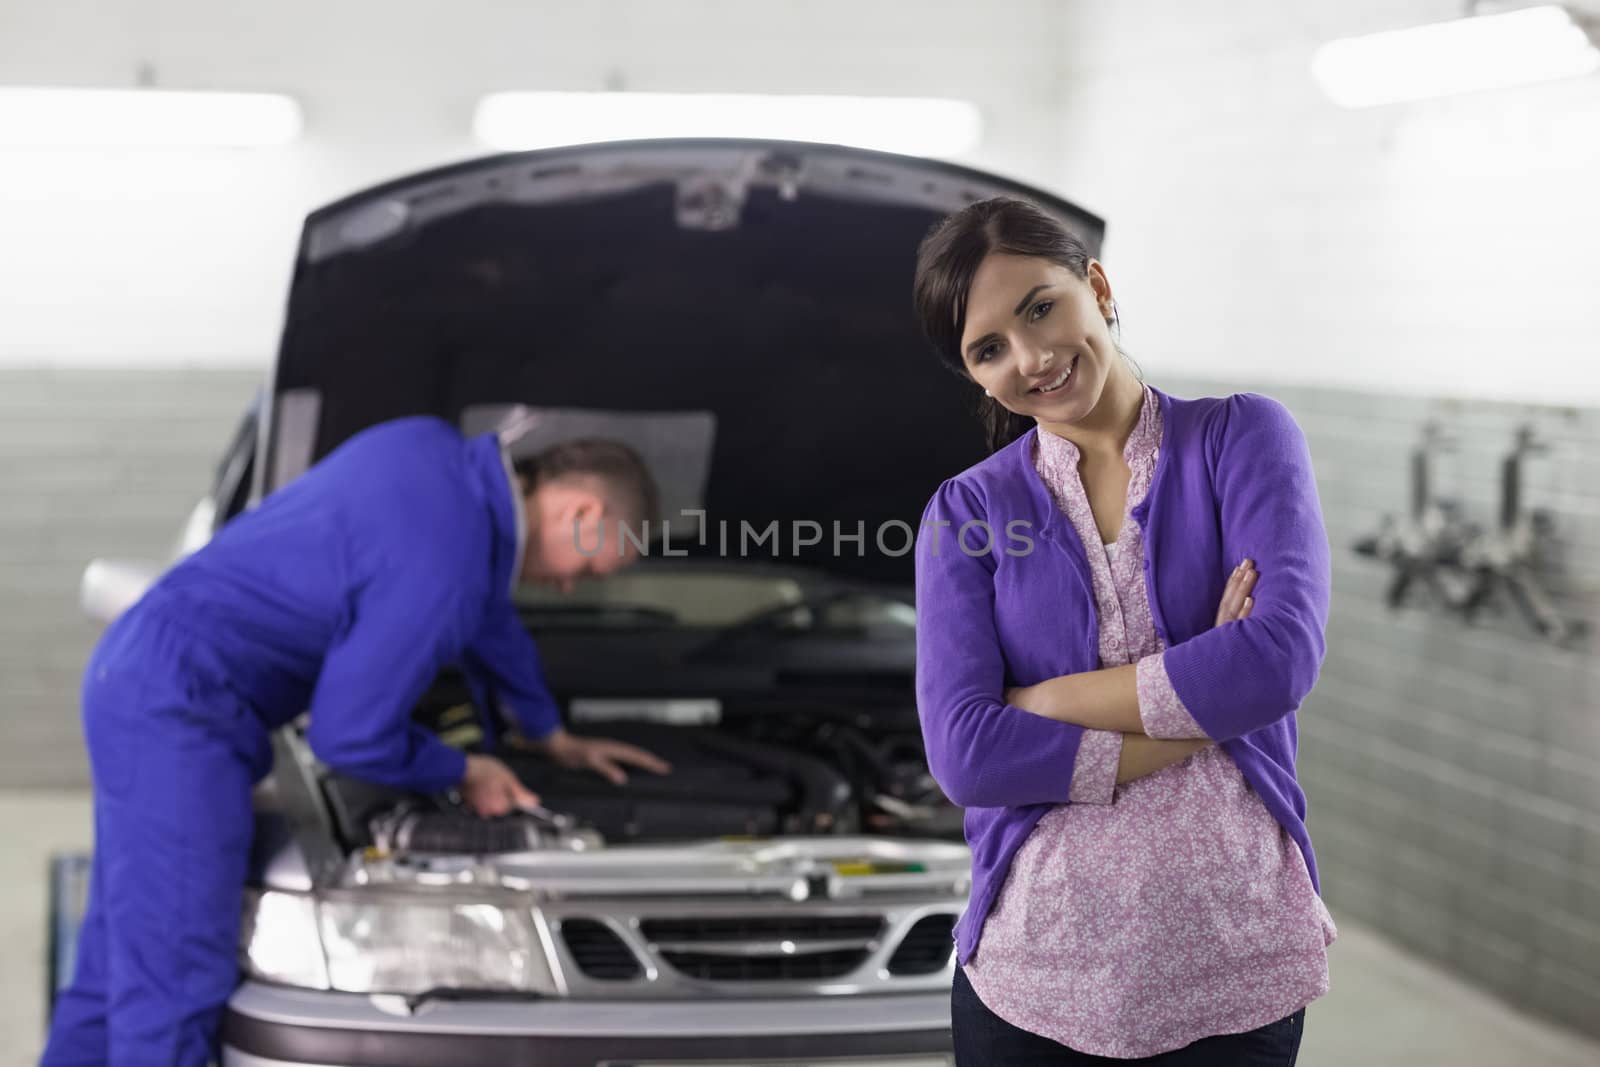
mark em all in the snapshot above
pixel 393 940
pixel 279 939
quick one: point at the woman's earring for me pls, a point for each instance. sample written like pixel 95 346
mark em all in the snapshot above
pixel 987 393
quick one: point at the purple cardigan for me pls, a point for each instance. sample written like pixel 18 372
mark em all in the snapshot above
pixel 1233 481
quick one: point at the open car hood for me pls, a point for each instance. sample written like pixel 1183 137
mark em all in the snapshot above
pixel 760 290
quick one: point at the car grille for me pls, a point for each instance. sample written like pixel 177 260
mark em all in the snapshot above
pixel 618 952
pixel 926 947
pixel 811 966
pixel 764 948
pixel 598 952
pixel 763 928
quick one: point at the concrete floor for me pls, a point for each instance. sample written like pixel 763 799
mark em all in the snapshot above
pixel 1386 1007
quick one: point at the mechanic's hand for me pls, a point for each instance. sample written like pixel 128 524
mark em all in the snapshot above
pixel 1236 599
pixel 490 787
pixel 600 755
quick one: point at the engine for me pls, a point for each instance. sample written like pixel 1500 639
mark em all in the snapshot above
pixel 777 773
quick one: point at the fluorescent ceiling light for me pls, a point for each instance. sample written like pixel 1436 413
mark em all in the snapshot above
pixel 911 126
pixel 144 118
pixel 1482 52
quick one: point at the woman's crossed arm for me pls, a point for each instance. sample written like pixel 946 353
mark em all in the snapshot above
pixel 1109 699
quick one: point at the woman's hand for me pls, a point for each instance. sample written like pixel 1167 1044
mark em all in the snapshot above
pixel 1108 699
pixel 491 788
pixel 1236 599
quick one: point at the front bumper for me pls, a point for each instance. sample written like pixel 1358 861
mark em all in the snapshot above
pixel 268 1026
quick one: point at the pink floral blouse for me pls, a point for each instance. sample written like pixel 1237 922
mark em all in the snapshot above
pixel 1145 916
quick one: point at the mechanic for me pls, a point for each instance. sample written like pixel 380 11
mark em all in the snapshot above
pixel 344 593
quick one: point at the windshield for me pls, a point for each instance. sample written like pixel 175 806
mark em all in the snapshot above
pixel 719 598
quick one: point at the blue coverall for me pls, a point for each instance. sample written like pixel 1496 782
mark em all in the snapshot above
pixel 344 593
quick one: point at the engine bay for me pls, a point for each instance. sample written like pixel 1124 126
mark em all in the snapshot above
pixel 788 854
pixel 759 771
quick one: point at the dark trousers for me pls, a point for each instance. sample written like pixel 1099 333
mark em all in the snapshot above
pixel 983 1039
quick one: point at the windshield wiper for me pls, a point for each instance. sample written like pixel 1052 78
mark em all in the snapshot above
pixel 604 614
pixel 796 615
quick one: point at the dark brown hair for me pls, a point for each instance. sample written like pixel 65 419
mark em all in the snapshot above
pixel 947 261
pixel 622 470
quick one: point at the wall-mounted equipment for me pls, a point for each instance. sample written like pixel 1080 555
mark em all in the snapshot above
pixel 1427 547
pixel 1502 562
pixel 1465 567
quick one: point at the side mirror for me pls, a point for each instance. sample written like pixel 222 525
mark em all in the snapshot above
pixel 197 529
pixel 111 586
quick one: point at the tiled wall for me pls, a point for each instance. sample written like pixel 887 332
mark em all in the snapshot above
pixel 1453 771
pixel 92 463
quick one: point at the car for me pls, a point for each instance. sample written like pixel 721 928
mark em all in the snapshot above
pixel 739 311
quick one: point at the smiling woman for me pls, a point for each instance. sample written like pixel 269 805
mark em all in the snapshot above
pixel 1014 301
pixel 1116 710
